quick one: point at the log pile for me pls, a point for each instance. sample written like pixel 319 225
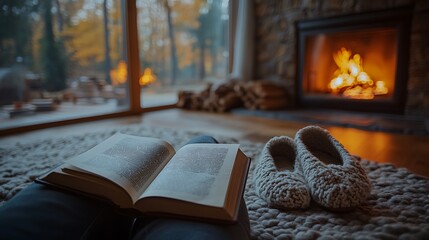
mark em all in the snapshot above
pixel 233 94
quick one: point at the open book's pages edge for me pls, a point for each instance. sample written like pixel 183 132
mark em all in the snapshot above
pixel 237 184
pixel 87 184
pixel 160 206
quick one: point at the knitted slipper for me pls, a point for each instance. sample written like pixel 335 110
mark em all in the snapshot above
pixel 335 178
pixel 277 177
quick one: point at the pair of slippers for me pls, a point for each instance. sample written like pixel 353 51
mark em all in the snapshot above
pixel 314 166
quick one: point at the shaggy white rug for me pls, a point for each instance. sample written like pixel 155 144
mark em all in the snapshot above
pixel 398 207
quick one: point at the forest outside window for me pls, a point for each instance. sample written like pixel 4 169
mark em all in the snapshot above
pixel 183 46
pixel 60 60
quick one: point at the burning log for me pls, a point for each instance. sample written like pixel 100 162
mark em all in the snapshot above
pixel 351 80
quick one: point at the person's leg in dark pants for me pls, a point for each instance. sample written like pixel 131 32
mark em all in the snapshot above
pixel 43 212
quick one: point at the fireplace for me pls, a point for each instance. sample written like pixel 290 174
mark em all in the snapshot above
pixel 354 62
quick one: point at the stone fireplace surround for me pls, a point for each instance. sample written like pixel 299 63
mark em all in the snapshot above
pixel 276 46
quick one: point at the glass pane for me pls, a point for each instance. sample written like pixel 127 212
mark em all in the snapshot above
pixel 61 59
pixel 183 46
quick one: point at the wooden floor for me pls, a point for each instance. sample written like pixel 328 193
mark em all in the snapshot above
pixel 407 151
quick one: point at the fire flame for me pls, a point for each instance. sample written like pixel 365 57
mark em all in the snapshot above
pixel 119 74
pixel 147 78
pixel 351 80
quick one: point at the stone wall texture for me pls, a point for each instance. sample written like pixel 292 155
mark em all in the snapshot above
pixel 276 47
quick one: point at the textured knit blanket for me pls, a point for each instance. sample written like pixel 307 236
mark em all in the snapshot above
pixel 398 207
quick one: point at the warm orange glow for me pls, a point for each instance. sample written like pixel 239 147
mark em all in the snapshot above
pixel 351 80
pixel 119 74
pixel 147 78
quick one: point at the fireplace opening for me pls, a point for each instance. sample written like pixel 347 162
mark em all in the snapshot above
pixel 355 62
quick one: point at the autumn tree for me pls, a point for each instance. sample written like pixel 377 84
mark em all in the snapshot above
pixel 15 30
pixel 54 67
pixel 153 39
pixel 209 37
pixel 213 20
pixel 167 34
pixel 186 22
pixel 93 33
pixel 107 63
pixel 174 61
pixel 177 37
pixel 116 25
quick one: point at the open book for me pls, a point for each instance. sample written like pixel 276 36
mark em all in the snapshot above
pixel 147 174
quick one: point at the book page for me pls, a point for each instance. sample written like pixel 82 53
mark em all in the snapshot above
pixel 197 173
pixel 131 162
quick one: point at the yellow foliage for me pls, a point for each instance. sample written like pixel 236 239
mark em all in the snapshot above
pixel 185 52
pixel 153 29
pixel 37 35
pixel 86 41
pixel 187 13
pixel 85 38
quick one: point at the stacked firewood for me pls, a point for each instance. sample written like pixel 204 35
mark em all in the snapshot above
pixel 233 94
pixel 263 95
pixel 214 98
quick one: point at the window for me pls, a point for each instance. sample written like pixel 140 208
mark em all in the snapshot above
pixel 63 60
pixel 183 46
pixel 60 60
